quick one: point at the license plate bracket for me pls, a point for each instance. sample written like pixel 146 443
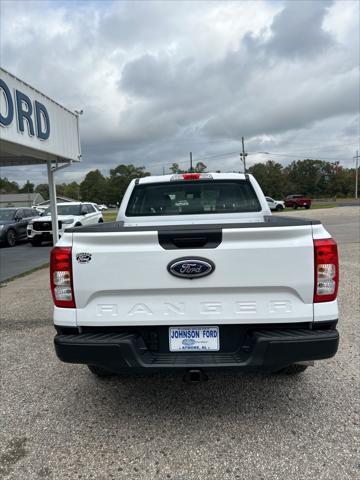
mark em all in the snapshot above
pixel 194 339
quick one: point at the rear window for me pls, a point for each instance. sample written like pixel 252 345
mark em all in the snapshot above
pixel 194 197
pixel 65 210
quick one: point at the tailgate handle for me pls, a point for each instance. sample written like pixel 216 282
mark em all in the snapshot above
pixel 190 242
pixel 173 240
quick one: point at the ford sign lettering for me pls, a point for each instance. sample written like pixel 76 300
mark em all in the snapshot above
pixel 191 267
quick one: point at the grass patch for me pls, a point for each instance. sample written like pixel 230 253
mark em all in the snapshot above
pixel 314 206
pixel 109 216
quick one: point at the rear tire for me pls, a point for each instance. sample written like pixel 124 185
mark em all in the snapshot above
pixel 307 207
pixel 279 208
pixel 293 369
pixel 101 220
pixel 11 238
pixel 100 372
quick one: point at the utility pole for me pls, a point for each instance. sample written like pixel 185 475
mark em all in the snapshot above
pixel 356 173
pixel 243 155
pixel 28 192
pixel 163 170
pixel 191 166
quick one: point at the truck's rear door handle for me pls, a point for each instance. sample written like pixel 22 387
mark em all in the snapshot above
pixel 173 240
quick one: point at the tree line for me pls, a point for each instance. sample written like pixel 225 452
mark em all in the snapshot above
pixel 315 178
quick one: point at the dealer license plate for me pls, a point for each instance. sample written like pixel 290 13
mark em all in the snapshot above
pixel 193 339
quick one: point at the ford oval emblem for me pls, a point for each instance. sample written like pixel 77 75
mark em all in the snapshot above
pixel 83 257
pixel 194 267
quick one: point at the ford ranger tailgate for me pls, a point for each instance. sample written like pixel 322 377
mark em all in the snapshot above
pixel 123 276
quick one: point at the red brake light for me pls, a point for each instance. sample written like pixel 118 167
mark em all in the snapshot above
pixel 61 281
pixel 326 270
pixel 191 176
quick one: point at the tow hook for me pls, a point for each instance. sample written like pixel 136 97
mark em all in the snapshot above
pixel 195 376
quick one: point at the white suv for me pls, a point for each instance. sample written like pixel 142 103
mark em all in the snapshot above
pixel 70 214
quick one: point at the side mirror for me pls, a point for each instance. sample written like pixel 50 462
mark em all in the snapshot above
pixel 18 218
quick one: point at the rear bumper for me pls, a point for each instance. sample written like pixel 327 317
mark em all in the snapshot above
pixel 266 350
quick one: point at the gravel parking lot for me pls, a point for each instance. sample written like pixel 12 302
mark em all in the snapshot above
pixel 59 422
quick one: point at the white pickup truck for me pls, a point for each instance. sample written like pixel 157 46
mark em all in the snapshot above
pixel 195 275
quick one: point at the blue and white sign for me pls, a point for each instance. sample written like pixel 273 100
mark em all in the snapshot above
pixel 194 339
pixel 30 114
pixel 33 120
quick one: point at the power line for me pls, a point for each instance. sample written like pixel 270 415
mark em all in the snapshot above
pixel 307 143
pixel 218 155
pixel 314 157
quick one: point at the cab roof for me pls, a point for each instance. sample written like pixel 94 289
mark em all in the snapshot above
pixel 169 178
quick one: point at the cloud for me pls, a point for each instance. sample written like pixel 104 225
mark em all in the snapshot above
pixel 158 79
pixel 298 30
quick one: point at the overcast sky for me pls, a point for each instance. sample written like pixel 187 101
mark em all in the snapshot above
pixel 158 79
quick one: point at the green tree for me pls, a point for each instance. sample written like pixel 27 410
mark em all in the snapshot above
pixel 72 190
pixel 341 180
pixel 119 179
pixel 43 189
pixel 271 178
pixel 6 186
pixel 175 168
pixel 27 188
pixel 61 189
pixel 200 167
pixel 94 187
pixel 310 177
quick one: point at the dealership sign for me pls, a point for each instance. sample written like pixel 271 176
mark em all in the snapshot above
pixel 34 114
pixel 32 120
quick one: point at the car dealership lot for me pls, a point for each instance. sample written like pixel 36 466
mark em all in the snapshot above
pixel 58 421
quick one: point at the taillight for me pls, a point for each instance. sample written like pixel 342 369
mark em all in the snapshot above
pixel 191 176
pixel 61 277
pixel 326 270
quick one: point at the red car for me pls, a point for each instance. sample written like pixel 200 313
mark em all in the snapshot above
pixel 297 201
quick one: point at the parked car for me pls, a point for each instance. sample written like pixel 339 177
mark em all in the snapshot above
pixel 70 214
pixel 298 201
pixel 13 223
pixel 275 204
pixel 214 282
pixel 40 210
pixel 102 207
